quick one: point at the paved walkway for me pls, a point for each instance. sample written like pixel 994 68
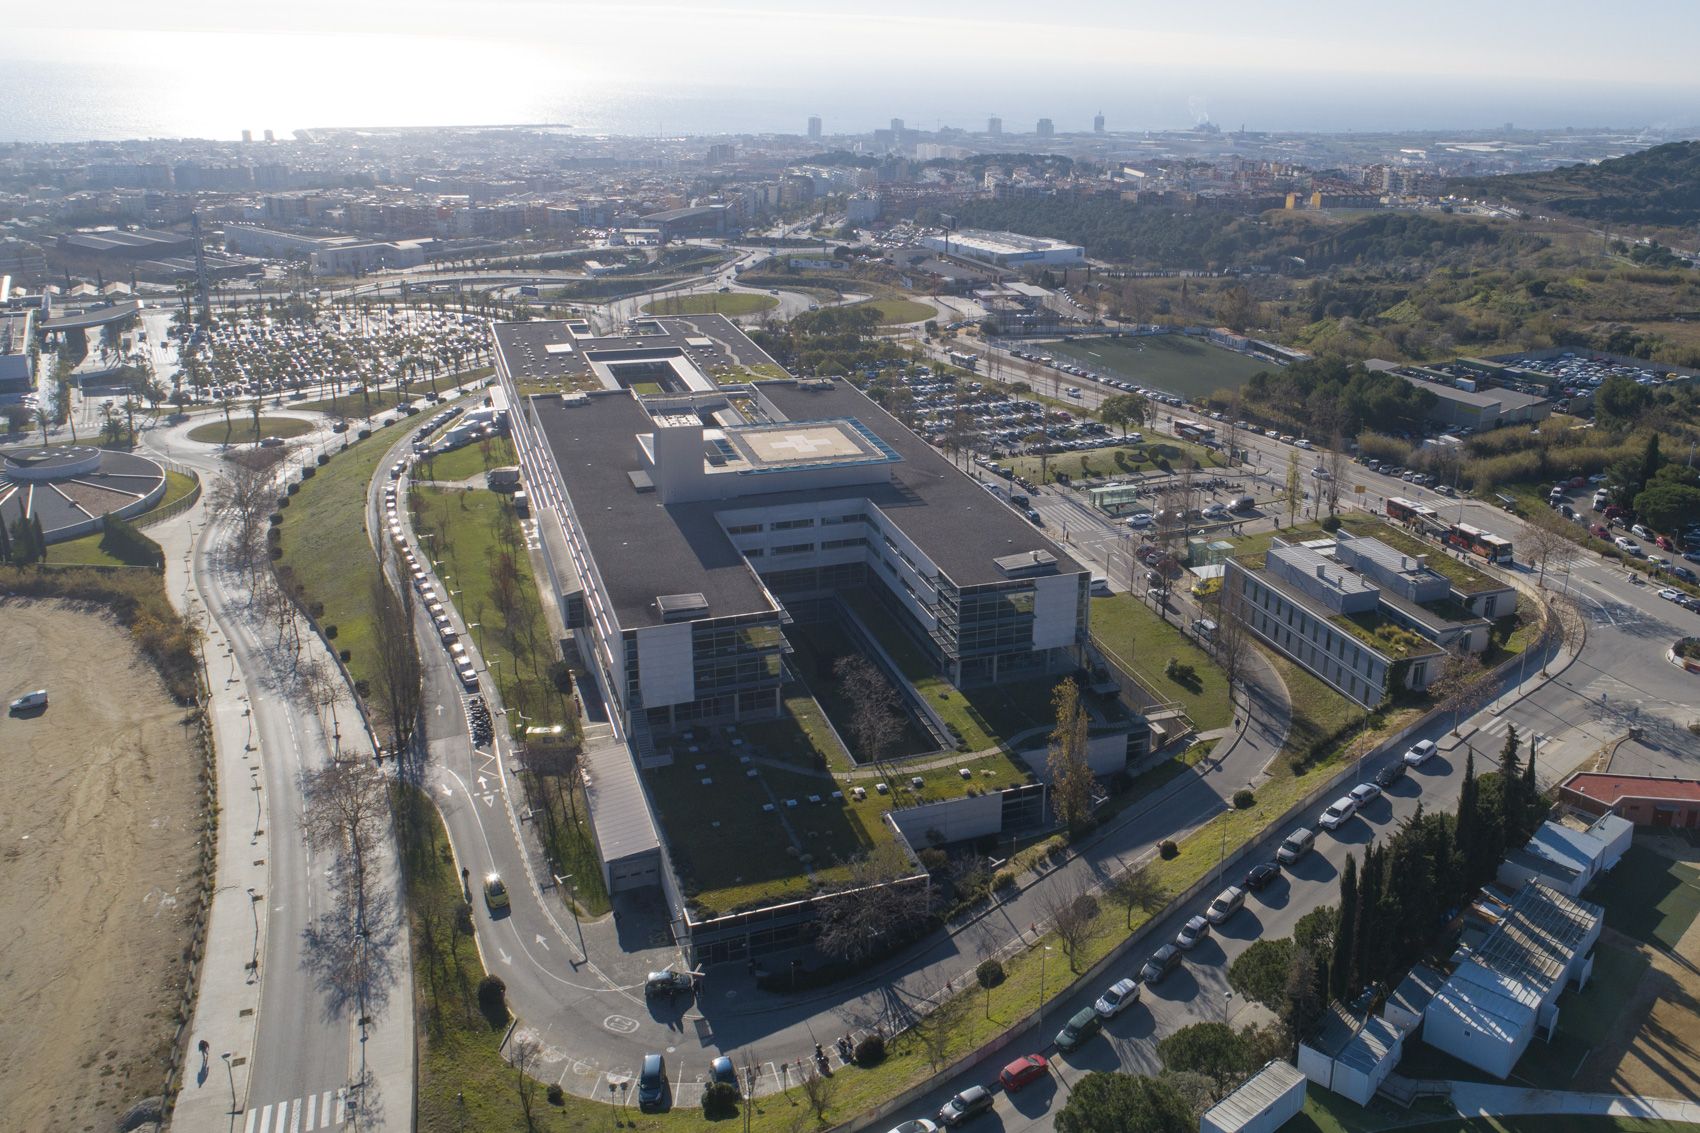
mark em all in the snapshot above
pixel 1473 1099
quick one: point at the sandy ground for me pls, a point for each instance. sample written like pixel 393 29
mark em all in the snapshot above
pixel 98 831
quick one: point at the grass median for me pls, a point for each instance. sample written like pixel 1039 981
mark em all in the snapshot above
pixel 242 429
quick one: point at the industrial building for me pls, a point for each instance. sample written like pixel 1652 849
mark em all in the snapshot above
pixel 16 327
pixel 698 220
pixel 1007 249
pixel 691 517
pixel 1506 987
pixel 1470 402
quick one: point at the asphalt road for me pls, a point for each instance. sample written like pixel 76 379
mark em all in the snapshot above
pixel 307 1053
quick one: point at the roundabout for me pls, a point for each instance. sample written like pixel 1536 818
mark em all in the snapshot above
pixel 70 489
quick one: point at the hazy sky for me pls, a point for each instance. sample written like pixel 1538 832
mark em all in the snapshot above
pixel 1270 62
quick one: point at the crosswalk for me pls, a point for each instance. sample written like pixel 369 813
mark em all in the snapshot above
pixel 326 1110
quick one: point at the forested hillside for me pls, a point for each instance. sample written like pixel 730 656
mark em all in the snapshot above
pixel 1658 186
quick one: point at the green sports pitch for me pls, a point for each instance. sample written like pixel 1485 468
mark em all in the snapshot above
pixel 1174 363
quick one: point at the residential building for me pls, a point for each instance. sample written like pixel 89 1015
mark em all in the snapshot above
pixel 1045 129
pixel 994 127
pixel 814 128
pixel 1098 122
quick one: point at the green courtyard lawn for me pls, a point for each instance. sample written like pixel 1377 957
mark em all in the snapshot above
pixel 1464 577
pixel 84 550
pixel 325 548
pixel 1650 897
pixel 984 717
pixel 470 533
pixel 816 646
pixel 1126 628
pixel 731 303
pixel 241 429
pixel 468 461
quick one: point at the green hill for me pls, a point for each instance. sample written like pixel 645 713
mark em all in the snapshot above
pixel 1658 186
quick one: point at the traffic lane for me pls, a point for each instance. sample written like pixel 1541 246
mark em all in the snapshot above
pixel 1195 992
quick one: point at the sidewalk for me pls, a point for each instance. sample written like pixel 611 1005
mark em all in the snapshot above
pixel 1473 1099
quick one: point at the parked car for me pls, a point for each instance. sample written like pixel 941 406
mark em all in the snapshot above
pixel 1419 753
pixel 1339 812
pixel 1227 903
pixel 652 1082
pixel 1261 875
pixel 1365 793
pixel 1163 961
pixel 971 1102
pixel 1116 1000
pixel 30 701
pixel 1082 1025
pixel 1193 931
pixel 1023 1071
pixel 1391 774
pixel 1295 846
pixel 722 1070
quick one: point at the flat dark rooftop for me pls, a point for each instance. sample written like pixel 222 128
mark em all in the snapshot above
pixel 644 550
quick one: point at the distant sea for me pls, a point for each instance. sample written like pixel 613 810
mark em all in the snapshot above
pixel 217 94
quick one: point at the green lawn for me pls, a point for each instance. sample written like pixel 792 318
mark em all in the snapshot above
pixel 325 548
pixel 731 303
pixel 1114 460
pixel 816 646
pixel 1649 896
pixel 241 430
pixel 366 404
pixel 85 550
pixel 1190 367
pixel 468 461
pixel 177 485
pixel 895 311
pixel 985 717
pixel 1143 642
pixel 468 529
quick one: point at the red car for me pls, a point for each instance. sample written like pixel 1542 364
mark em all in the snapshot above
pixel 1599 532
pixel 1666 544
pixel 1022 1071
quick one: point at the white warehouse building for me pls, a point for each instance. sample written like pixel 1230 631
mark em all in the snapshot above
pixel 1008 249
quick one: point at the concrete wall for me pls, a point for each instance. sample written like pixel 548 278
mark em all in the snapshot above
pixel 956 819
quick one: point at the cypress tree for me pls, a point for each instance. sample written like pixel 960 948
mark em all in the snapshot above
pixel 1372 917
pixel 40 539
pixel 1511 806
pixel 1466 837
pixel 1342 970
pixel 1531 790
pixel 5 543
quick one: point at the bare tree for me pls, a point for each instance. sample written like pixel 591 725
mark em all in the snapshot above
pixel 1234 645
pixel 819 1089
pixel 1136 888
pixel 1460 688
pixel 1071 910
pixel 1295 487
pixel 345 810
pixel 1548 542
pixel 1334 464
pixel 246 496
pixel 522 1056
pixel 1071 777
pixel 937 1030
pixel 875 722
pixel 399 675
pixel 872 911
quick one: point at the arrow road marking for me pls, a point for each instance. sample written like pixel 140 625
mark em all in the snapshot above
pixel 543 942
pixel 506 959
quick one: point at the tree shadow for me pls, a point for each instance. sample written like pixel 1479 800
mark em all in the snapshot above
pixel 351 968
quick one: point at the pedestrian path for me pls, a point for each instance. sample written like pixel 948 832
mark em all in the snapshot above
pixel 1474 1099
pixel 328 1109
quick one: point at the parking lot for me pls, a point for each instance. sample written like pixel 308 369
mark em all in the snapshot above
pixel 342 352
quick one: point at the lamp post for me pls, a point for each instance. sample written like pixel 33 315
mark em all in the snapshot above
pixel 1227 999
pixel 1042 981
pixel 572 903
pixel 231 1074
pixel 254 907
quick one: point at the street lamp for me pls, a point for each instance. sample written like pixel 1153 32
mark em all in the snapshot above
pixel 1227 998
pixel 1042 981
pixel 254 907
pixel 231 1074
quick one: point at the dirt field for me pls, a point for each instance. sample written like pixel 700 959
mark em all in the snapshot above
pixel 98 824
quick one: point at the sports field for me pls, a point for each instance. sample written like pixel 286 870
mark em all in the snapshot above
pixel 1174 363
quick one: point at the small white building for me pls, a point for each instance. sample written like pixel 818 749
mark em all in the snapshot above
pixel 1489 1009
pixel 1262 1104
pixel 1567 855
pixel 1352 1054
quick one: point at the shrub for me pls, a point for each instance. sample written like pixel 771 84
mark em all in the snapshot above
pixel 309 472
pixel 933 859
pixel 364 433
pixel 344 655
pixel 989 973
pixel 293 487
pixel 1005 879
pixel 492 998
pixel 275 518
pixel 870 1051
pixel 324 459
pixel 557 1096
pixel 330 632
pixel 1331 523
pixel 719 1100
pixel 1243 799
pixel 1168 849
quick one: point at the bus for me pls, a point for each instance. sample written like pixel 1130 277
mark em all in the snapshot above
pixel 1406 511
pixel 1478 542
pixel 1188 430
